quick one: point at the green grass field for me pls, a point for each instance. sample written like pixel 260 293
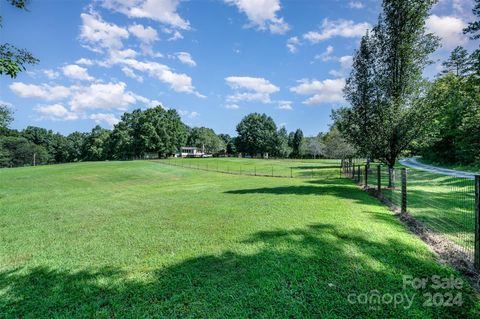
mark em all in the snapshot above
pixel 145 239
pixel 445 204
pixel 304 168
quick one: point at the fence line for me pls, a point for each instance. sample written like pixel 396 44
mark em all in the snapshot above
pixel 446 205
pixel 248 170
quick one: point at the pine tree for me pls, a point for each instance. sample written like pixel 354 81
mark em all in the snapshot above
pixel 360 93
pixel 474 27
pixel 458 63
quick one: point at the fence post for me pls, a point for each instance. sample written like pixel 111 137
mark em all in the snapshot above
pixel 366 177
pixel 359 177
pixel 255 169
pixel 477 223
pixel 353 171
pixel 404 190
pixel 379 179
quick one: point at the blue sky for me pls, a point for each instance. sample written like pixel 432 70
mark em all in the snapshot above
pixel 213 60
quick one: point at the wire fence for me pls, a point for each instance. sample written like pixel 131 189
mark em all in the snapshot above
pixel 445 205
pixel 266 168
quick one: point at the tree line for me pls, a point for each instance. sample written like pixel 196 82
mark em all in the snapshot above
pixel 393 110
pixel 160 132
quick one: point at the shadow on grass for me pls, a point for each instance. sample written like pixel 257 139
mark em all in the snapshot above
pixel 338 187
pixel 299 273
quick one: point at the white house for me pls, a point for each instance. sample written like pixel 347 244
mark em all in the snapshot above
pixel 187 151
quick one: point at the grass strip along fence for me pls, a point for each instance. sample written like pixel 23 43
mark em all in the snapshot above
pixel 446 205
pixel 258 167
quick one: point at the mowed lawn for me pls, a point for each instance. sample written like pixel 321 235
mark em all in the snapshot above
pixel 144 239
pixel 305 168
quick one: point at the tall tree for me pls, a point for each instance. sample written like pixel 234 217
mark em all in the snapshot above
pixel 256 134
pixel 402 47
pixel 6 116
pixel 458 63
pixel 314 145
pixel 358 123
pixel 75 142
pixel 229 143
pixel 13 59
pixel 96 144
pixel 18 151
pixel 282 148
pixel 474 27
pixel 297 143
pixel 153 130
pixel 336 146
pixel 205 139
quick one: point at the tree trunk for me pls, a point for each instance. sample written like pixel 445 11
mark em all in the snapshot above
pixel 391 171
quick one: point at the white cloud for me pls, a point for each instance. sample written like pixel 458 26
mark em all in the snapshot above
pixel 92 96
pixel 258 89
pixel 232 106
pixel 51 74
pixel 356 5
pixel 179 82
pixel 186 58
pixel 326 91
pixel 84 61
pixel 346 62
pixel 327 55
pixel 44 91
pixel 188 114
pixel 285 105
pixel 262 14
pixel 96 32
pixel 163 11
pixel 175 34
pixel 102 96
pixel 81 99
pixel 147 102
pixel 449 29
pixel 129 72
pixel 56 112
pixel 292 44
pixel 108 118
pixel 337 28
pixel 76 72
pixel 118 55
pixel 146 35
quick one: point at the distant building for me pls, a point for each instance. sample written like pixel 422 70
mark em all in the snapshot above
pixel 188 151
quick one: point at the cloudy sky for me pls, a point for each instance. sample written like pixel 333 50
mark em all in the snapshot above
pixel 212 60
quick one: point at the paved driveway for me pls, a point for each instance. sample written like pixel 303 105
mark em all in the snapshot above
pixel 413 163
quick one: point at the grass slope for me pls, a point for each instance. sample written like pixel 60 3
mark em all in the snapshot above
pixel 143 239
